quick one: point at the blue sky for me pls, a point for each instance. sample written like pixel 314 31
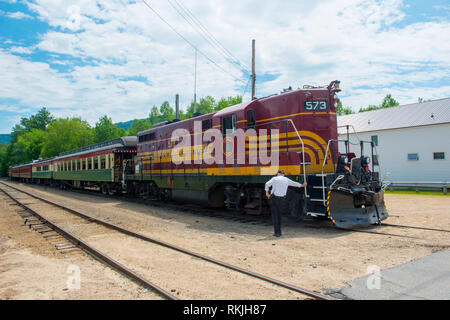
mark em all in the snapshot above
pixel 88 58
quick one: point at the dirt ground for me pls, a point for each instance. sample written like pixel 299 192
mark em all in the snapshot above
pixel 316 259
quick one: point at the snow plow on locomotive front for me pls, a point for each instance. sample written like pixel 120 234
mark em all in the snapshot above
pixel 354 195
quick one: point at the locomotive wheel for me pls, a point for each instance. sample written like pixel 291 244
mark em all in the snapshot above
pixel 342 211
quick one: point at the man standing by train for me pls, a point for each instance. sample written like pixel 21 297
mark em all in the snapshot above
pixel 277 197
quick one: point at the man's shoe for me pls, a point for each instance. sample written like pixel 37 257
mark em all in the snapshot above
pixel 277 235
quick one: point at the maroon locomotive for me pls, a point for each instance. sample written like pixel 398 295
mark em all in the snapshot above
pixel 224 159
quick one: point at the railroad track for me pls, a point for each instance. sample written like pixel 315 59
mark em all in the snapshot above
pixel 77 242
pixel 261 220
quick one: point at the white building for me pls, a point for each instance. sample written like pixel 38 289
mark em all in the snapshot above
pixel 413 141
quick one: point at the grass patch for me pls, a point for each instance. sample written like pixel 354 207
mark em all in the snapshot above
pixel 437 193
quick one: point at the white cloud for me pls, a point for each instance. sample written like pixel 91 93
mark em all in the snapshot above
pixel 17 15
pixel 304 42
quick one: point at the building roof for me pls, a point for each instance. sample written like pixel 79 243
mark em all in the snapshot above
pixel 409 115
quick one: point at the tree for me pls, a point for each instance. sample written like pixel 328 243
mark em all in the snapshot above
pixel 17 131
pixel 388 102
pixel 154 115
pixel 226 102
pixel 138 126
pixel 206 105
pixel 66 134
pixel 422 100
pixel 3 159
pixel 31 143
pixel 40 121
pixel 106 130
pixel 167 112
pixel 341 110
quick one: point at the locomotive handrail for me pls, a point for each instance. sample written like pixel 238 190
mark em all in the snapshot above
pixel 303 153
pixel 326 154
pixel 359 140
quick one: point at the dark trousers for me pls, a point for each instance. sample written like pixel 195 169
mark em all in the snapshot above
pixel 276 207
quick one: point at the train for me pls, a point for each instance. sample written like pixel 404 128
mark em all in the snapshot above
pixel 223 159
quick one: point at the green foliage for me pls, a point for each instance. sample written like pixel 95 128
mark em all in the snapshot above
pixel 388 102
pixel 206 105
pixel 3 159
pixel 421 100
pixel 227 102
pixel 66 134
pixel 154 115
pixel 138 126
pixel 167 112
pixel 105 130
pixel 39 121
pixel 31 143
pixel 164 113
pixel 341 110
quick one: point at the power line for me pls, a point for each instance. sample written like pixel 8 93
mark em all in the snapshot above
pixel 202 33
pixel 212 36
pixel 245 90
pixel 190 43
pixel 209 36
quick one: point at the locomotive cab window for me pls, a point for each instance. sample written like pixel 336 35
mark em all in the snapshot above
pixel 206 124
pixel 229 124
pixel 251 119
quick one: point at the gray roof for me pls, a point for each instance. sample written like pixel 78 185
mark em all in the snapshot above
pixel 409 115
pixel 128 141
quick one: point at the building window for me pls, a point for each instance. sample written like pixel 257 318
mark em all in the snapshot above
pixel 439 155
pixel 375 140
pixel 413 156
pixel 375 160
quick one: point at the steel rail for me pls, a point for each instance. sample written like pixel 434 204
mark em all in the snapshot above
pixel 91 250
pixel 182 250
pixel 414 227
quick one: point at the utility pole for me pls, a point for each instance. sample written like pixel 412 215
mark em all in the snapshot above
pixel 195 83
pixel 253 70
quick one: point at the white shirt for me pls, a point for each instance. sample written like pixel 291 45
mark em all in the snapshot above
pixel 280 185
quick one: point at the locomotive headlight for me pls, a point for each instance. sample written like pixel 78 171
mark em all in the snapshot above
pixel 367 160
